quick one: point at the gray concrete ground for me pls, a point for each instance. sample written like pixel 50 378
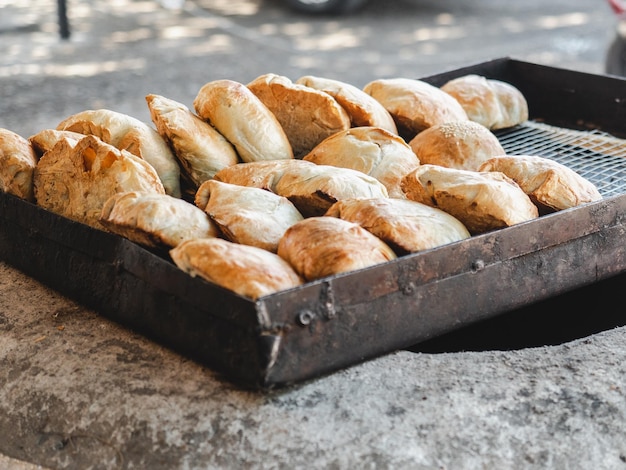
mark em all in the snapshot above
pixel 79 391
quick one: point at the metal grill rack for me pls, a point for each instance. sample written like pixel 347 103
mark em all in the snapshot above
pixel 595 155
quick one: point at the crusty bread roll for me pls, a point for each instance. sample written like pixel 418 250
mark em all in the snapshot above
pixel 362 108
pixel 307 115
pixel 128 133
pixel 551 185
pixel 323 246
pixel 247 215
pixel 415 105
pixel 76 180
pixel 314 188
pixel 261 174
pixel 155 220
pixel 493 103
pixel 241 117
pixel 406 226
pixel 46 139
pixel 200 149
pixel 464 145
pixel 482 201
pixel 246 270
pixel 17 165
pixel 371 150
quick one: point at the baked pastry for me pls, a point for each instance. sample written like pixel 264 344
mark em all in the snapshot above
pixel 199 148
pixel 241 117
pixel 464 145
pixel 155 220
pixel 493 103
pixel 370 150
pixel 17 164
pixel 314 188
pixel 306 114
pixel 246 270
pixel 551 185
pixel 247 215
pixel 482 201
pixel 45 139
pixel 323 246
pixel 406 226
pixel 415 105
pixel 76 180
pixel 128 133
pixel 261 174
pixel 362 108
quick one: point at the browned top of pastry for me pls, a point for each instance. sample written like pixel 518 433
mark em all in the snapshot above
pixel 246 270
pixel 241 117
pixel 306 114
pixel 463 145
pixel 322 246
pixel 551 185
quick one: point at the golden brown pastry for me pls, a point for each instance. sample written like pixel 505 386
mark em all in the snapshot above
pixel 362 108
pixel 247 215
pixel 415 105
pixel 307 115
pixel 261 174
pixel 45 139
pixel 241 117
pixel 128 133
pixel 314 188
pixel 464 145
pixel 246 270
pixel 155 220
pixel 323 246
pixel 482 201
pixel 17 164
pixel 76 180
pixel 370 150
pixel 406 226
pixel 493 103
pixel 551 185
pixel 199 148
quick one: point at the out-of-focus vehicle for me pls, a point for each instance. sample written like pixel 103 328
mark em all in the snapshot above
pixel 615 63
pixel 324 6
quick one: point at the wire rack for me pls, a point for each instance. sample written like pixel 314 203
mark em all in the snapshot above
pixel 595 155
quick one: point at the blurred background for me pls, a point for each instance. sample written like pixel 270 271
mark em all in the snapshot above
pixel 115 52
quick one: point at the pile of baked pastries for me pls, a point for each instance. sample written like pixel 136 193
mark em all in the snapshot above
pixel 267 185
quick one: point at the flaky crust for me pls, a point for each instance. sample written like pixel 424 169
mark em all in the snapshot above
pixel 415 105
pixel 261 174
pixel 464 145
pixel 246 270
pixel 406 226
pixel 370 150
pixel 314 188
pixel 482 201
pixel 155 220
pixel 493 103
pixel 323 246
pixel 241 117
pixel 17 165
pixel 75 181
pixel 128 133
pixel 306 114
pixel 247 215
pixel 551 185
pixel 46 139
pixel 362 108
pixel 199 148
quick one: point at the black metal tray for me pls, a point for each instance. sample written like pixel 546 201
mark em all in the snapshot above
pixel 322 326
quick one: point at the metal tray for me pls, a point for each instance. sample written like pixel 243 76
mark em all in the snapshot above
pixel 323 326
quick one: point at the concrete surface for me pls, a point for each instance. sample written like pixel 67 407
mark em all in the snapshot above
pixel 80 392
